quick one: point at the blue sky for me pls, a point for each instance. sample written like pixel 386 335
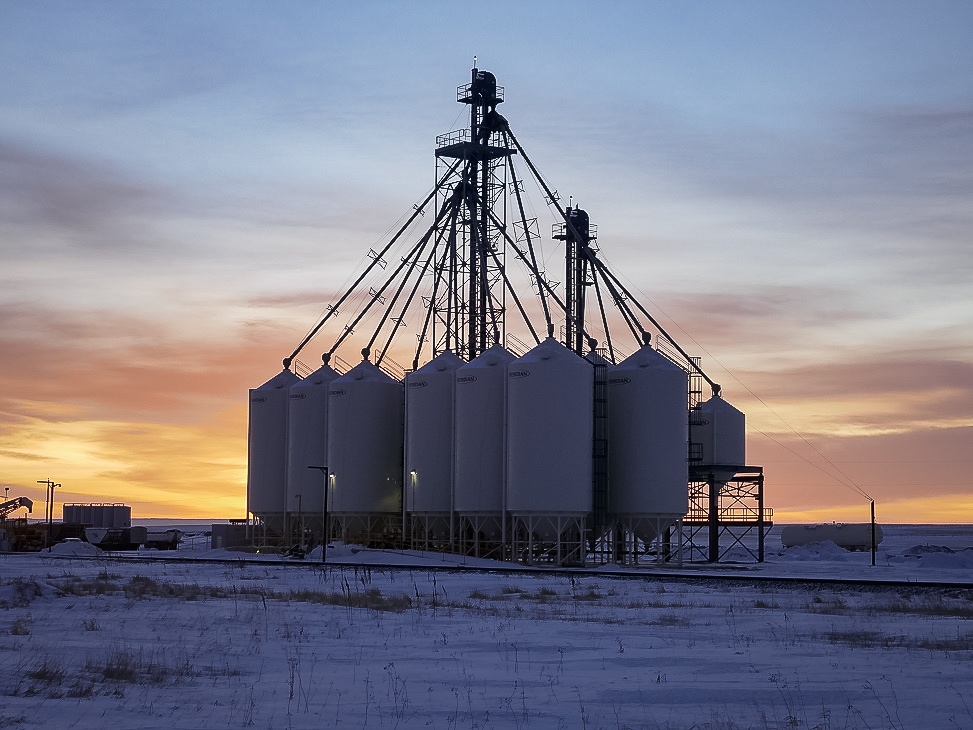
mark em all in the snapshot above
pixel 183 186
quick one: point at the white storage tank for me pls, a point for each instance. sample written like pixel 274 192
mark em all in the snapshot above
pixel 550 392
pixel 478 432
pixel 429 435
pixel 720 431
pixel 857 536
pixel 267 449
pixel 365 431
pixel 648 436
pixel 307 441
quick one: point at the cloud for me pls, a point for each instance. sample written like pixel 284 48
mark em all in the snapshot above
pixel 47 190
pixel 196 470
pixel 896 179
pixel 754 316
pixel 903 468
pixel 114 366
pixel 890 373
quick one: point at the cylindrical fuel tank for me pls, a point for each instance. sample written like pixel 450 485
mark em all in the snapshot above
pixel 307 440
pixel 721 431
pixel 478 432
pixel 429 435
pixel 648 438
pixel 849 536
pixel 365 431
pixel 267 447
pixel 549 431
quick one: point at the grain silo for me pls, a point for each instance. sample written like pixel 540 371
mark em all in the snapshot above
pixel 549 448
pixel 428 490
pixel 648 444
pixel 720 430
pixel 267 454
pixel 365 432
pixel 307 445
pixel 478 450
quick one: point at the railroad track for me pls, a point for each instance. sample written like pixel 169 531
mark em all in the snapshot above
pixel 726 574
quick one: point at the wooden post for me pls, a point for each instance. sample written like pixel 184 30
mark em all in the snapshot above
pixel 873 532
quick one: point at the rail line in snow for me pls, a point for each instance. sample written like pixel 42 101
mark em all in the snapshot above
pixel 728 574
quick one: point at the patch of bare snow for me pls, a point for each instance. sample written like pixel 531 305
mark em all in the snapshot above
pixel 941 557
pixel 826 550
pixel 78 548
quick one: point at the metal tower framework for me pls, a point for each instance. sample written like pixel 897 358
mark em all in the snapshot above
pixel 453 283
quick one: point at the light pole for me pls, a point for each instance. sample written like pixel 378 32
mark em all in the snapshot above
pixel 49 514
pixel 300 522
pixel 413 479
pixel 324 541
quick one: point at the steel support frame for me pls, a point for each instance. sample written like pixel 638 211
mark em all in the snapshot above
pixel 266 531
pixel 369 529
pixel 474 531
pixel 726 508
pixel 429 531
pixel 665 545
pixel 553 539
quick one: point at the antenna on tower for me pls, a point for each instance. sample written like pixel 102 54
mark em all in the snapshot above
pixel 474 61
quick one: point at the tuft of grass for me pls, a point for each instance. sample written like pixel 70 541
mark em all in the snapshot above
pixel 21 627
pixel 864 639
pixel 131 667
pixel 120 666
pixel 373 598
pixel 963 642
pixel 81 688
pixel 589 595
pixel 48 671
pixel 24 591
pixel 74 585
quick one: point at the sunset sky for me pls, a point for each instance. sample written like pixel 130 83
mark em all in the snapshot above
pixel 185 186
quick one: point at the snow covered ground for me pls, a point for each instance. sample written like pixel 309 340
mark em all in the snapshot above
pixel 96 642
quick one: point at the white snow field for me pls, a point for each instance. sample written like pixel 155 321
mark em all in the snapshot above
pixel 102 642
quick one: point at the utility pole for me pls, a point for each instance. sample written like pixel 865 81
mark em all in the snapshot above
pixel 49 514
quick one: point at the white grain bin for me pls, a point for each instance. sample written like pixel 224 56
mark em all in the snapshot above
pixel 365 432
pixel 648 437
pixel 429 435
pixel 267 450
pixel 720 431
pixel 98 515
pixel 121 515
pixel 549 432
pixel 77 514
pixel 307 445
pixel 478 432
